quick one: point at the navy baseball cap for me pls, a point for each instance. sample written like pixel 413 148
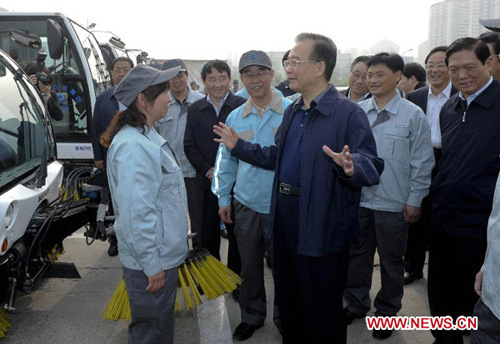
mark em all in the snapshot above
pixel 254 58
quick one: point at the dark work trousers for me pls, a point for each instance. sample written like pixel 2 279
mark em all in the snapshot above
pixel 152 313
pixel 419 232
pixel 308 289
pixel 203 208
pixel 488 326
pixel 233 253
pixel 251 234
pixel 387 232
pixel 454 262
pixel 195 207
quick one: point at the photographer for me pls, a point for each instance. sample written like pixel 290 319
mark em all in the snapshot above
pixel 42 82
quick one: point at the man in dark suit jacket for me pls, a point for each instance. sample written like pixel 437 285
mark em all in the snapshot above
pixel 201 151
pixel 358 90
pixel 106 106
pixel 430 99
pixel 464 185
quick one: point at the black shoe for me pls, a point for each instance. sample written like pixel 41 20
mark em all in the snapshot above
pixel 113 250
pixel 244 331
pixel 411 277
pixel 224 234
pixel 350 316
pixel 381 334
pixel 236 294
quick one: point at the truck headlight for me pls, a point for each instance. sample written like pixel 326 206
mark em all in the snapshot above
pixel 8 215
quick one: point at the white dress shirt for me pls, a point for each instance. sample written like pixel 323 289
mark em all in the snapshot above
pixel 434 105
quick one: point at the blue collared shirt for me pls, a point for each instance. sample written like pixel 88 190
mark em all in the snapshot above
pixel 173 126
pixel 252 185
pixel 291 161
pixel 149 200
pixel 404 142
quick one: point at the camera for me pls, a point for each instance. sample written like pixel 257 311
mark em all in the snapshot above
pixel 44 78
pixel 40 64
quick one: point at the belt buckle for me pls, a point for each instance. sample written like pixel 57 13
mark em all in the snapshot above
pixel 285 188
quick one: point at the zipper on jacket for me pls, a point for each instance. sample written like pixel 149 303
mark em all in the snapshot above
pixel 465 107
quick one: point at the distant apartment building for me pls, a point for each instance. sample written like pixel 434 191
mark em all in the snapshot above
pixel 452 19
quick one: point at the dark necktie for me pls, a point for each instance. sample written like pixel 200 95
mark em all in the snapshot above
pixel 382 117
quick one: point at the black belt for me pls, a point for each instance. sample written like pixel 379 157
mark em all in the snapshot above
pixel 288 189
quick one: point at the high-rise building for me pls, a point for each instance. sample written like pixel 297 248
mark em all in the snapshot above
pixel 452 19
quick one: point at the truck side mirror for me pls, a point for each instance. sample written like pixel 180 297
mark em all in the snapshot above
pixel 25 39
pixel 55 39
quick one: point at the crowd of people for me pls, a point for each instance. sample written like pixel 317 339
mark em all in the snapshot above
pixel 316 179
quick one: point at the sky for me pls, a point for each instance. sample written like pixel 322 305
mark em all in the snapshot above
pixel 224 29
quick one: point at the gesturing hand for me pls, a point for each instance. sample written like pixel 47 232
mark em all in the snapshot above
pixel 227 135
pixel 343 159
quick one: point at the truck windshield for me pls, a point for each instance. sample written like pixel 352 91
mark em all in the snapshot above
pixel 74 94
pixel 22 131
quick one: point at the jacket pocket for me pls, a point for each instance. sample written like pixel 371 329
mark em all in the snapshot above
pixel 397 144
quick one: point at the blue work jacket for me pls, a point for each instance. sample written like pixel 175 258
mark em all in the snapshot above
pixel 149 200
pixel 252 184
pixel 329 200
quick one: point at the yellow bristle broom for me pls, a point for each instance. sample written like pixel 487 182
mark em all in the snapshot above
pixel 4 323
pixel 199 270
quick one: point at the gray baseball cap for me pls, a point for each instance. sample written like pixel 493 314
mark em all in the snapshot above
pixel 138 79
pixel 174 63
pixel 254 58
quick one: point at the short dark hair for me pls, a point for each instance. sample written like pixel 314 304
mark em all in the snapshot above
pixel 489 37
pixel 493 38
pixel 496 47
pixel 122 59
pixel 285 57
pixel 472 44
pixel 393 61
pixel 323 50
pixel 414 69
pixel 219 65
pixel 442 48
pixel 359 59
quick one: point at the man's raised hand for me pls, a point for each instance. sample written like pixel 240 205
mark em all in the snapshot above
pixel 343 159
pixel 227 135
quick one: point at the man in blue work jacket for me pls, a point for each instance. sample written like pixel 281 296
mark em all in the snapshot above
pixel 403 139
pixel 316 192
pixel 255 121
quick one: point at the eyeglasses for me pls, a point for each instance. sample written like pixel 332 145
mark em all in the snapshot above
pixel 358 75
pixel 294 63
pixel 259 75
pixel 440 65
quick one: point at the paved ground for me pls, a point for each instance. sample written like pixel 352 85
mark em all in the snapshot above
pixel 64 311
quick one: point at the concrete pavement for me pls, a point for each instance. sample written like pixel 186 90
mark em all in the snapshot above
pixel 64 311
